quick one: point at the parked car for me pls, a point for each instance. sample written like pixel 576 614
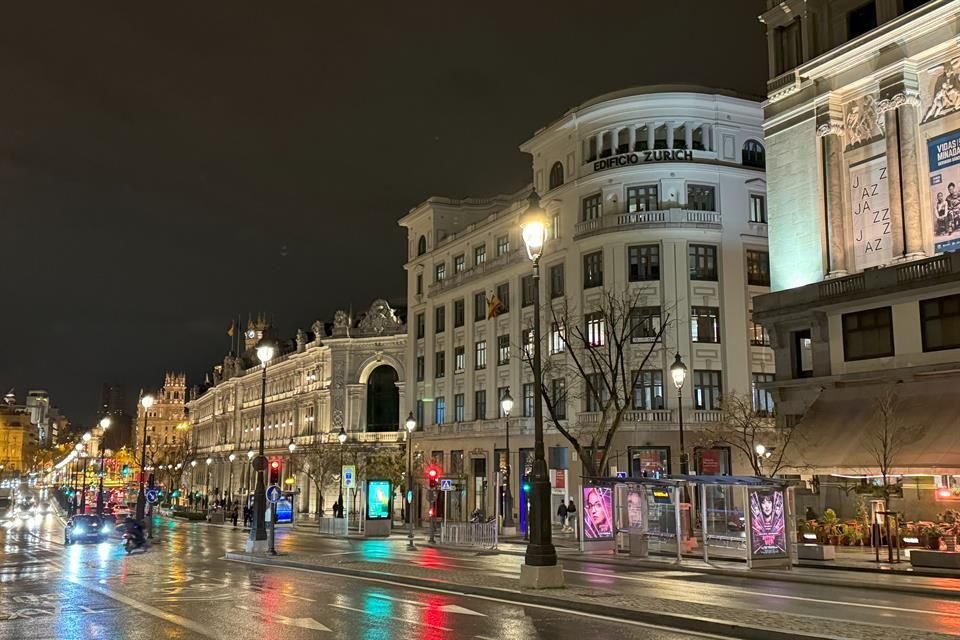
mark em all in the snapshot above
pixel 85 528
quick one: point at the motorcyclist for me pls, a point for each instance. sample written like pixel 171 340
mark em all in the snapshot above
pixel 135 530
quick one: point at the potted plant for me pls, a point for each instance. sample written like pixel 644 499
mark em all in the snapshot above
pixel 933 535
pixel 950 528
pixel 830 527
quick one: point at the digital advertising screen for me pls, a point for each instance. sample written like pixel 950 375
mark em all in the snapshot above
pixel 944 153
pixel 768 531
pixel 284 510
pixel 598 513
pixel 378 499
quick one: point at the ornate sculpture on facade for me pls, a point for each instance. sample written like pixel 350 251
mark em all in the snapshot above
pixel 380 319
pixel 944 96
pixel 301 340
pixel 862 121
pixel 340 319
pixel 317 328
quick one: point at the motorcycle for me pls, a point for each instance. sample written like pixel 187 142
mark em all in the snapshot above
pixel 131 544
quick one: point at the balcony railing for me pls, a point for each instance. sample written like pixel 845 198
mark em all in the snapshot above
pixel 707 415
pixel 641 219
pixel 490 266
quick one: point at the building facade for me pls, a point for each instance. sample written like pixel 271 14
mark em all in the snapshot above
pixel 346 375
pixel 655 194
pixel 166 422
pixel 18 437
pixel 862 126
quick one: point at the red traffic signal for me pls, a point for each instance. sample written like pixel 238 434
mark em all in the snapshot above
pixel 275 465
pixel 433 476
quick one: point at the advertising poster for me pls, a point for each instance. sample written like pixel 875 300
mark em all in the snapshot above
pixel 768 531
pixel 598 513
pixel 871 214
pixel 944 152
pixel 379 493
pixel 284 510
pixel 636 505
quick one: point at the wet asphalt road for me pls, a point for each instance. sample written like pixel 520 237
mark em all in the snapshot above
pixel 181 589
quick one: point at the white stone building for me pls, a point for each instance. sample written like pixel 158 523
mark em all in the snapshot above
pixel 657 189
pixel 862 125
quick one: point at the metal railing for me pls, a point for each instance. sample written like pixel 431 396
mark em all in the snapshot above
pixel 474 534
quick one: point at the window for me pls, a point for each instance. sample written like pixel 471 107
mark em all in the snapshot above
pixel 527 399
pixel 701 197
pixel 557 344
pixel 503 350
pixel 527 341
pixel 527 291
pixel 441 407
pixel 556 281
pixel 503 245
pixel 479 255
pixel 556 175
pixel 593 270
pixel 649 462
pixel 480 355
pixel 648 390
pixel 501 391
pixel 592 207
pixel 642 198
pixel 458 312
pixel 762 399
pixel 940 323
pixel 558 398
pixel 440 272
pixel 459 359
pixel 440 364
pixel 419 284
pixel 758 268
pixel 422 245
pixel 421 326
pixel 439 319
pixel 597 394
pixel 459 263
pixel 456 462
pixel 596 329
pixel 420 414
pixel 480 404
pixel 479 306
pixel 802 352
pixel 420 368
pixel 789 50
pixel 437 458
pixel 555 226
pixel 644 324
pixel 703 262
pixel 706 390
pixel 862 19
pixel 867 334
pixel 458 407
pixel 758 208
pixel 758 335
pixel 503 295
pixel 753 155
pixel 643 262
pixel 704 324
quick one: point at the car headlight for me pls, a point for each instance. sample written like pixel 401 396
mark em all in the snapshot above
pixel 78 530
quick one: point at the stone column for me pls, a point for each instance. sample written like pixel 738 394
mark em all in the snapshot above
pixel 706 132
pixel 599 143
pixel 910 176
pixel 831 141
pixel 688 134
pixel 651 134
pixel 614 141
pixel 669 126
pixel 632 138
pixel 894 180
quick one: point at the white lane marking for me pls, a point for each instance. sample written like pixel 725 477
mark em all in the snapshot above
pixel 784 596
pixel 447 608
pixel 303 623
pixel 422 624
pixel 450 592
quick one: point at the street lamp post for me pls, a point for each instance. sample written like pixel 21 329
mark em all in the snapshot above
pixel 193 473
pixel 506 404
pixel 411 425
pixel 104 425
pixel 678 371
pixel 83 482
pixel 257 542
pixel 146 402
pixel 291 447
pixel 231 458
pixel 73 477
pixel 540 568
pixel 342 438
pixel 206 486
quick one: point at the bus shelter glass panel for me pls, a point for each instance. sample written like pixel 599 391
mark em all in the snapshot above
pixel 661 521
pixel 723 521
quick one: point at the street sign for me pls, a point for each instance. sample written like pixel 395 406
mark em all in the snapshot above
pixel 153 496
pixel 273 493
pixel 446 484
pixel 621 475
pixel 349 476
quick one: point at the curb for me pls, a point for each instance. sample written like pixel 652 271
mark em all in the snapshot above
pixel 659 619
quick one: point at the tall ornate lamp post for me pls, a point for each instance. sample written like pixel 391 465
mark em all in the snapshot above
pixel 104 425
pixel 506 404
pixel 206 486
pixel 146 402
pixel 231 458
pixel 411 425
pixel 291 447
pixel 540 568
pixel 83 485
pixel 678 371
pixel 257 542
pixel 341 438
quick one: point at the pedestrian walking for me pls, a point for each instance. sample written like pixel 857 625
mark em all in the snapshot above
pixel 571 515
pixel 236 516
pixel 562 514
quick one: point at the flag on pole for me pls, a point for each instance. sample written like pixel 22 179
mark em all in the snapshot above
pixel 494 307
pixel 231 329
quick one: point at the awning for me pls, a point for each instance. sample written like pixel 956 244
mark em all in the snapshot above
pixel 835 435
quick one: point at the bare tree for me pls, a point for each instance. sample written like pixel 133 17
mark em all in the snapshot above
pixel 742 428
pixel 321 465
pixel 604 352
pixel 887 439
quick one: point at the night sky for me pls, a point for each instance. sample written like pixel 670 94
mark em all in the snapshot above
pixel 164 169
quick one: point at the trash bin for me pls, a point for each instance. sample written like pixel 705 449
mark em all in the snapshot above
pixel 638 545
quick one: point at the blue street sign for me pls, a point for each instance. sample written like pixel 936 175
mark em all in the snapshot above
pixel 446 484
pixel 621 474
pixel 409 496
pixel 152 496
pixel 273 493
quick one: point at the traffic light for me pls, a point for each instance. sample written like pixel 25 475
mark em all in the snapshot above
pixel 125 471
pixel 274 472
pixel 433 476
pixel 526 483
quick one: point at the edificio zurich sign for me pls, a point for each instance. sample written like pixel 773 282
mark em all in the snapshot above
pixel 656 155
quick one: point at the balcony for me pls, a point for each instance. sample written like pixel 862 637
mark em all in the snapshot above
pixel 647 220
pixel 633 418
pixel 490 266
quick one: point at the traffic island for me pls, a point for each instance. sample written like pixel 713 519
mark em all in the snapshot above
pixel 532 577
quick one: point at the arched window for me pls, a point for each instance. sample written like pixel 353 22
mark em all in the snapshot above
pixel 556 175
pixel 383 400
pixel 422 245
pixel 754 155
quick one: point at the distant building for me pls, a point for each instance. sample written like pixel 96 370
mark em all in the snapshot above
pixel 113 404
pixel 167 426
pixel 18 437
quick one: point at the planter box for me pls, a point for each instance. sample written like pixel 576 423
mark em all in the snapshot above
pixel 816 552
pixel 935 559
